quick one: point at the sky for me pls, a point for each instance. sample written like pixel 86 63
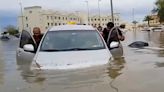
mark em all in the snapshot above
pixel 10 9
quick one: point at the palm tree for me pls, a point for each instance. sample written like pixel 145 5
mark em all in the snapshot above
pixel 147 18
pixel 134 22
pixel 159 10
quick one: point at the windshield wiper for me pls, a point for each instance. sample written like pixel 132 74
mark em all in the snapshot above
pixel 72 49
pixel 51 50
pixel 83 48
pixel 77 49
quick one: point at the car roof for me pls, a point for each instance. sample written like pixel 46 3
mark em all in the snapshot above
pixel 71 27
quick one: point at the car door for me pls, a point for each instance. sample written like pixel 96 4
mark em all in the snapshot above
pixel 22 55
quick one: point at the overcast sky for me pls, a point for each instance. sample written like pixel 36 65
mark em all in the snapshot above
pixel 10 9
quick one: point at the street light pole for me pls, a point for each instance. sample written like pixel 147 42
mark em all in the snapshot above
pixel 20 3
pixel 99 12
pixel 88 11
pixel 79 20
pixel 111 3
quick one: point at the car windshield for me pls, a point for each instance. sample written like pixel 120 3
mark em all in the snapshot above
pixel 72 40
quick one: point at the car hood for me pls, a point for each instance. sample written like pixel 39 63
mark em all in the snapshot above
pixel 70 59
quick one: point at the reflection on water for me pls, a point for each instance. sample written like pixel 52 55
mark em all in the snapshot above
pixel 160 64
pixel 115 67
pixel 114 70
pixel 64 80
pixel 161 44
pixel 1 64
pixel 158 41
pixel 28 75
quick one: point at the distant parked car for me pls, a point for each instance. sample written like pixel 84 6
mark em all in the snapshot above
pixel 157 29
pixel 146 29
pixel 65 47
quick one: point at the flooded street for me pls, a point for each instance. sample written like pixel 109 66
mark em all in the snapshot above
pixel 141 70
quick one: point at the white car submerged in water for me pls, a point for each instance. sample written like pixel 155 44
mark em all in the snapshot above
pixel 65 47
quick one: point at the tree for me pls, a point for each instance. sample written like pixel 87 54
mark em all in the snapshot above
pixel 147 18
pixel 11 30
pixel 159 9
pixel 134 22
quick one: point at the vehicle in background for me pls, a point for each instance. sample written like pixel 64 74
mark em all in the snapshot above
pixel 157 29
pixel 146 29
pixel 4 36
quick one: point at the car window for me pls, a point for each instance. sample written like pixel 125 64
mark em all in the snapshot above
pixel 25 39
pixel 72 40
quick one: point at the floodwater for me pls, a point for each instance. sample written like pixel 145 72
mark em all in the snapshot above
pixel 141 70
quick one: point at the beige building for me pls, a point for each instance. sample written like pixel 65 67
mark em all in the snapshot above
pixel 103 20
pixel 35 16
pixel 154 21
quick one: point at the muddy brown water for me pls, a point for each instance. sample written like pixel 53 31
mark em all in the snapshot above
pixel 141 70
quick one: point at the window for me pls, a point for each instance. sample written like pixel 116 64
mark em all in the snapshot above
pixel 59 18
pixel 30 11
pixel 51 24
pixel 26 18
pixel 26 25
pixel 48 24
pixel 47 17
pixel 25 39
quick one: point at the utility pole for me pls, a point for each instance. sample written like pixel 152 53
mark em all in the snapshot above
pixel 77 14
pixel 133 14
pixel 99 12
pixel 20 3
pixel 111 3
pixel 88 11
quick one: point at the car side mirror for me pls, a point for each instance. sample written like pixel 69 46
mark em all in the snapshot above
pixel 28 47
pixel 114 44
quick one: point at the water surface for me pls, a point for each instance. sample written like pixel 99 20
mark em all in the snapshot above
pixel 140 70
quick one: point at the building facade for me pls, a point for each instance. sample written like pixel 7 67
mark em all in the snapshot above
pixel 154 20
pixel 103 20
pixel 35 16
